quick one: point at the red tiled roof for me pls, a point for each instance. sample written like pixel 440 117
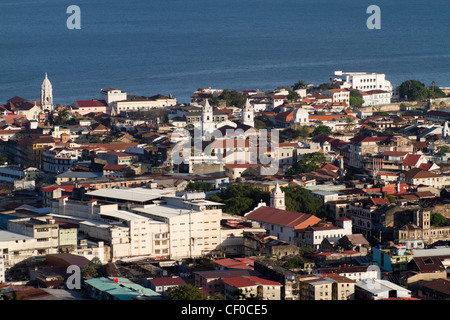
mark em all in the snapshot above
pixel 232 264
pixel 167 281
pixel 90 103
pixel 379 201
pixel 411 159
pixel 115 167
pixel 67 188
pixel 282 217
pixel 249 281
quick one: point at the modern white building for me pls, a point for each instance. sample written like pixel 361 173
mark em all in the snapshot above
pixel 377 289
pixel 44 230
pixel 375 97
pixel 364 81
pixel 338 95
pixel 193 224
pixel 16 247
pixel 137 222
pixel 119 101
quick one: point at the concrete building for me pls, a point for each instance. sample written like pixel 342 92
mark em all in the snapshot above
pixel 139 222
pixel 364 81
pixel 15 247
pixel 377 289
pixel 313 235
pixel 252 286
pixel 44 230
pixel 326 287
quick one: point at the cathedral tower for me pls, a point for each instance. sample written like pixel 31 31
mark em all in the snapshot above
pixel 248 114
pixel 277 198
pixel 46 95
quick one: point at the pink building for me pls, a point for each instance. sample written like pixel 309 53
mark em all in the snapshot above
pixel 87 106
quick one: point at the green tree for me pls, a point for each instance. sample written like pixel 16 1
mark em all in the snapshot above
pixel 322 129
pixel 292 96
pixel 295 262
pixel 349 122
pixel 298 199
pixel 199 186
pixel 414 90
pixel 443 149
pixel 299 85
pixel 355 98
pixel 186 292
pixel 233 98
pixel 93 269
pixel 309 162
pixel 240 198
pixel 438 220
pixel 259 124
pixel 62 117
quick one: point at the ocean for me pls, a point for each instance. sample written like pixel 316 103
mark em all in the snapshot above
pixel 149 47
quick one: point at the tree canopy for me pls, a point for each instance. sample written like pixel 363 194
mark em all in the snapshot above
pixel 93 269
pixel 309 162
pixel 199 186
pixel 299 85
pixel 186 292
pixel 298 199
pixel 240 198
pixel 415 90
pixel 355 98
pixel 233 98
pixel 438 220
pixel 322 129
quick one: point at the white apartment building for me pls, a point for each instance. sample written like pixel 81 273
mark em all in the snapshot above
pixel 44 230
pixel 193 224
pixel 120 101
pixel 364 81
pixel 15 247
pixel 338 95
pixel 375 97
pixel 152 223
pixel 128 234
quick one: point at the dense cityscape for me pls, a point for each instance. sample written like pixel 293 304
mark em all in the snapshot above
pixel 330 191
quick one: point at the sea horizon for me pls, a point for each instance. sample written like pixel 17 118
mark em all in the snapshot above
pixel 174 47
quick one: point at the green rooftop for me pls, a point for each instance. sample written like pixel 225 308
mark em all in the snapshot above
pixel 123 289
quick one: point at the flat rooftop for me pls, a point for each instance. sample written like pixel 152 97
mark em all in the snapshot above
pixel 129 194
pixel 12 236
pixel 166 211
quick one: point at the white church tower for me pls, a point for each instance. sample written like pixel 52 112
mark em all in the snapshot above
pixel 248 114
pixel 46 95
pixel 207 118
pixel 277 198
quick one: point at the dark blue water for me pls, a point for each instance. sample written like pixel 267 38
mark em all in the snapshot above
pixel 176 46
